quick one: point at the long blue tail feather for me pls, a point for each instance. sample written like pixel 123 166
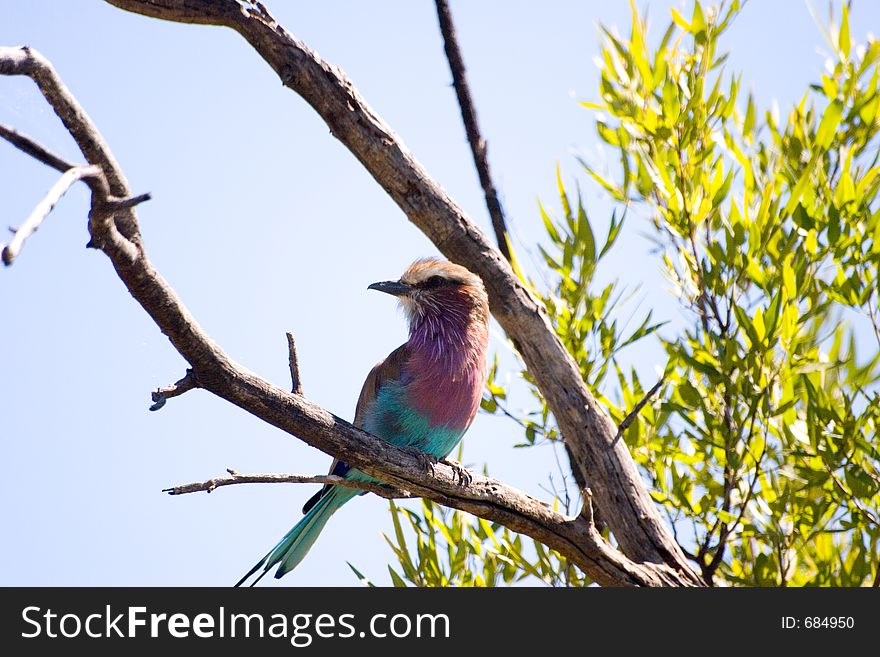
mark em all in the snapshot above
pixel 296 543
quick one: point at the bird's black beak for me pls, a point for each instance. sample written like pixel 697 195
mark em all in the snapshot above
pixel 395 288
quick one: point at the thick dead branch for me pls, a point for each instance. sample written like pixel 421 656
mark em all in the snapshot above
pixel 216 372
pixel 587 430
pixel 233 478
pixel 44 207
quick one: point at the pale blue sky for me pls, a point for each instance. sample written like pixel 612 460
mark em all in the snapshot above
pixel 264 223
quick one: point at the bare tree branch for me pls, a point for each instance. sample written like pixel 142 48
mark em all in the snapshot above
pixel 215 371
pixel 479 150
pixel 586 428
pixel 208 486
pixel 44 207
pixel 295 379
pixel 25 61
pixel 185 384
pixel 471 126
pixel 34 149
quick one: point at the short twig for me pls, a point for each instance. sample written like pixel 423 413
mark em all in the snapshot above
pixel 382 490
pixel 44 207
pixel 633 414
pixel 34 149
pixel 117 204
pixel 187 383
pixel 587 508
pixel 295 380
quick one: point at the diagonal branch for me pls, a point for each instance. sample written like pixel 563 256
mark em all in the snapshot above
pixel 471 126
pixel 574 538
pixel 10 251
pixel 34 149
pixel 634 413
pixel 585 426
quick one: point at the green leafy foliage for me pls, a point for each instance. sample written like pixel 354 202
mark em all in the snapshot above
pixel 761 444
pixel 452 548
pixel 764 443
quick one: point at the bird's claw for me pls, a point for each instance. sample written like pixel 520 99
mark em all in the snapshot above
pixel 427 461
pixel 463 476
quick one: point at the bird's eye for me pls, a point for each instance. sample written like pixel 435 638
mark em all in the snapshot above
pixel 434 281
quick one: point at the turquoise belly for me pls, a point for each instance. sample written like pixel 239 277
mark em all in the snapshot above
pixel 393 419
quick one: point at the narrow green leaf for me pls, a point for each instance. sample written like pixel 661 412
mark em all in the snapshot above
pixel 614 232
pixel 789 283
pixel 749 121
pixel 585 234
pixel 548 225
pixel 680 20
pixel 843 39
pixel 615 191
pixel 698 20
pixel 361 578
pixel 745 322
pixel 395 578
pixel 722 192
pixel 405 559
pixel 828 124
pixel 798 191
pixel 563 197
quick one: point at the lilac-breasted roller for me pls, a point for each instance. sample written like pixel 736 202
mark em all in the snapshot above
pixel 424 395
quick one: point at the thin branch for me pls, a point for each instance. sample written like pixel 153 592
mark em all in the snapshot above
pixel 634 413
pixel 44 207
pixel 34 149
pixel 295 379
pixel 187 383
pixel 471 126
pixel 388 492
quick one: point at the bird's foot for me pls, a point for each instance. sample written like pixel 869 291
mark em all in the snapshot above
pixel 463 476
pixel 427 461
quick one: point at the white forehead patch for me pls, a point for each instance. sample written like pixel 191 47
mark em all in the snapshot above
pixel 426 271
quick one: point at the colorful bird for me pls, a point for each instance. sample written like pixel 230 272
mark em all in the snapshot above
pixel 424 395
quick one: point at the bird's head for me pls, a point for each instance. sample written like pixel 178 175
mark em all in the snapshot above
pixel 434 288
